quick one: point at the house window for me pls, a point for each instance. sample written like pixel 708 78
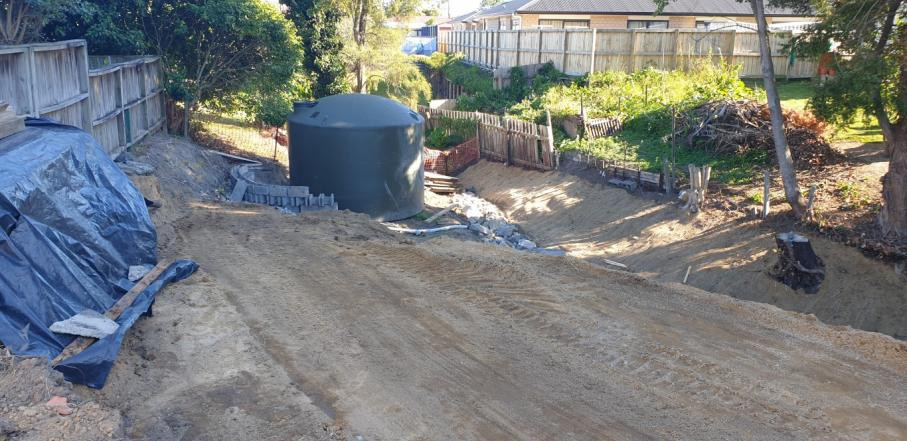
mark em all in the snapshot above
pixel 564 24
pixel 647 24
pixel 704 25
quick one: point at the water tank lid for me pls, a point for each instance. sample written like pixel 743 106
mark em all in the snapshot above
pixel 355 110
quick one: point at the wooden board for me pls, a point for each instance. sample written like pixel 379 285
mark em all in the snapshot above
pixel 79 344
pixel 10 123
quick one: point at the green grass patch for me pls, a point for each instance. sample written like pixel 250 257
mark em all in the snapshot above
pixel 795 95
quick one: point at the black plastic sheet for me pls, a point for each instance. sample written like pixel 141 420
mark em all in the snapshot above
pixel 71 225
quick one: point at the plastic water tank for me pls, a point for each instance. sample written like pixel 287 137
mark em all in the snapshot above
pixel 365 149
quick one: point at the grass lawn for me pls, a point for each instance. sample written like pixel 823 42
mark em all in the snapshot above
pixel 648 151
pixel 795 94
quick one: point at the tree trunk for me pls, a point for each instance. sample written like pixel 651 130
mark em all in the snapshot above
pixel 785 162
pixel 893 217
pixel 187 115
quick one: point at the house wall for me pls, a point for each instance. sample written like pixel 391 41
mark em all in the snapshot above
pixel 603 21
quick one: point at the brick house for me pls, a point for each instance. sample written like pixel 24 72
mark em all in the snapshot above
pixel 624 14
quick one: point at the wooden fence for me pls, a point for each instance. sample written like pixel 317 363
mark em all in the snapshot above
pixel 581 51
pixel 505 139
pixel 119 103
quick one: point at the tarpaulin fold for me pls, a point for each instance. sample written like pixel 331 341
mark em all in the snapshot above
pixel 71 225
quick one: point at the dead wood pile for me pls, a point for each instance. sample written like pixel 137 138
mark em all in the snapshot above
pixel 735 127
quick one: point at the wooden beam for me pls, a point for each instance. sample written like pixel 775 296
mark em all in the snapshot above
pixel 80 344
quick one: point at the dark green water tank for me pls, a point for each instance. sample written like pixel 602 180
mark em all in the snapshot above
pixel 365 149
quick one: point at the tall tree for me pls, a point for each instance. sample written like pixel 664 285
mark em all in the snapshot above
pixel 212 49
pixel 318 22
pixel 870 79
pixel 782 152
pixel 368 32
pixel 21 21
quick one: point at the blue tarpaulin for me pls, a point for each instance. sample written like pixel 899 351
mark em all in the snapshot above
pixel 71 225
pixel 420 45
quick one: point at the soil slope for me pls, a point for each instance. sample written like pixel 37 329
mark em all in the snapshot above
pixel 301 325
pixel 594 222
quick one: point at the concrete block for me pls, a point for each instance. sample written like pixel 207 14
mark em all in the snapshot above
pixel 87 323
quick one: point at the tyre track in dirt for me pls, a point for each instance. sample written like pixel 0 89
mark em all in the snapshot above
pixel 725 255
pixel 443 339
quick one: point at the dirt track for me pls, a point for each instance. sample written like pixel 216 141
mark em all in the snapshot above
pixel 300 325
pixel 593 221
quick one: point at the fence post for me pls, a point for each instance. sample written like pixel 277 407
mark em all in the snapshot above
pixel 731 57
pixel 509 146
pixel 631 55
pixel 766 194
pixel 677 57
pixel 519 35
pixel 550 134
pixel 592 54
pixel 540 45
pixel 566 46
pixel 32 75
pixel 497 49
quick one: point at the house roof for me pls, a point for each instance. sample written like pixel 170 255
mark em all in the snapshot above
pixel 643 7
pixel 508 8
pixel 465 17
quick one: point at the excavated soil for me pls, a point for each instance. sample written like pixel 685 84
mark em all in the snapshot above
pixel 328 326
pixel 728 256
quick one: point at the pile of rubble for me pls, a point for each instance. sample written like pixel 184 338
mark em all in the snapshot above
pixel 490 223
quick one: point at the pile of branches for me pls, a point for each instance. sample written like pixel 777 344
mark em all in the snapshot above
pixel 735 127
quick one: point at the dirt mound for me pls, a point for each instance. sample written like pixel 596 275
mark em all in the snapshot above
pixel 185 168
pixel 735 127
pixel 594 222
pixel 26 384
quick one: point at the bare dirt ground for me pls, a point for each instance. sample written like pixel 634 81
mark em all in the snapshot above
pixel 728 256
pixel 327 325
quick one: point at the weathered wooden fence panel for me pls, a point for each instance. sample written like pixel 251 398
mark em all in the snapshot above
pixel 47 80
pixel 580 51
pixel 117 99
pixel 504 139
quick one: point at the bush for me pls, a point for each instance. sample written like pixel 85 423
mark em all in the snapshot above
pixel 450 133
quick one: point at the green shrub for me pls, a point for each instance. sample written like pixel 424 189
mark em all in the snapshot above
pixel 450 133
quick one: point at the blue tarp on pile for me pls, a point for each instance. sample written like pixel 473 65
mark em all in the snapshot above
pixel 420 45
pixel 71 225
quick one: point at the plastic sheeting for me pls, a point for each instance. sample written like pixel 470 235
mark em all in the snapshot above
pixel 420 45
pixel 71 225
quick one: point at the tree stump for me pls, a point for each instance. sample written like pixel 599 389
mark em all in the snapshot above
pixel 798 265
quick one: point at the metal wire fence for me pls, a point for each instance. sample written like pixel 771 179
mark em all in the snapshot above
pixel 240 137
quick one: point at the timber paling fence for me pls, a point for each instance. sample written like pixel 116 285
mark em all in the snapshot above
pixel 119 100
pixel 504 139
pixel 531 145
pixel 582 51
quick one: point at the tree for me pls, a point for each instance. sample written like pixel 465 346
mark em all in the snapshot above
pixel 21 21
pixel 212 50
pixel 217 47
pixel 366 18
pixel 782 152
pixel 317 23
pixel 870 80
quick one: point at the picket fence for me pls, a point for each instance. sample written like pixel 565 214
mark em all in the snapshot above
pixel 504 139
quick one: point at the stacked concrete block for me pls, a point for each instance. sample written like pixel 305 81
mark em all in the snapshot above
pixel 292 198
